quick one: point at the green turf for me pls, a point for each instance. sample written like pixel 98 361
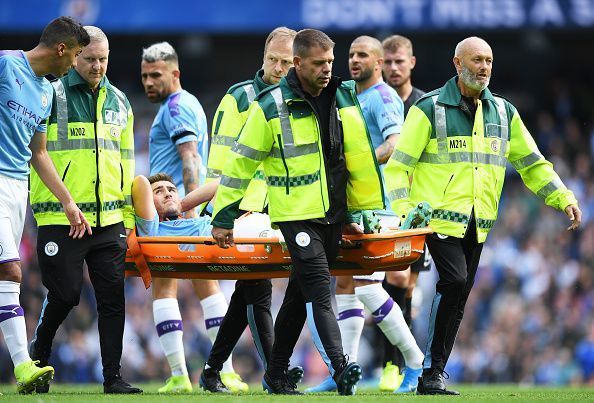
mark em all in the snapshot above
pixel 470 393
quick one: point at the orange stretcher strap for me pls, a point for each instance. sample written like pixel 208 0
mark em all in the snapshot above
pixel 139 259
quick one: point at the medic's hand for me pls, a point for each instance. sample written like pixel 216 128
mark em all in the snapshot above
pixel 223 237
pixel 350 229
pixel 575 215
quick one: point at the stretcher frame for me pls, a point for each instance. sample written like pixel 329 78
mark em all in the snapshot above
pixel 258 258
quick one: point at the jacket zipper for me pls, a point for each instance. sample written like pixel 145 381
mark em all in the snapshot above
pixel 282 153
pixel 97 199
pixel 321 154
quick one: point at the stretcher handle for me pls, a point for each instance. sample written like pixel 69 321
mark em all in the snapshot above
pixel 391 234
pixel 203 240
pixel 207 240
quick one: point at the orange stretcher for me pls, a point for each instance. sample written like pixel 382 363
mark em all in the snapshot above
pixel 255 258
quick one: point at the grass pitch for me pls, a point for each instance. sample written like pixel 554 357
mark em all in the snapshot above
pixel 469 393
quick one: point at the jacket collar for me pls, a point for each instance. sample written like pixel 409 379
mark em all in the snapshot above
pixel 291 86
pixel 73 78
pixel 450 93
pixel 259 83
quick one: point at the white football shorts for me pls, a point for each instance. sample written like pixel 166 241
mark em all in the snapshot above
pixel 13 209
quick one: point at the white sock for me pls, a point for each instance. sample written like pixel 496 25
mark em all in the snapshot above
pixel 388 317
pixel 12 322
pixel 351 318
pixel 169 326
pixel 214 309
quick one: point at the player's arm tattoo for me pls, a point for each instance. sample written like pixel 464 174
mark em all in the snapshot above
pixel 384 150
pixel 190 165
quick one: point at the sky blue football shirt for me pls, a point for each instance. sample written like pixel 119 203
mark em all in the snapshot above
pixel 383 111
pixel 179 114
pixel 25 104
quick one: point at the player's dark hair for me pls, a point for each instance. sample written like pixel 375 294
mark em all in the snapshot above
pixel 66 30
pixel 159 177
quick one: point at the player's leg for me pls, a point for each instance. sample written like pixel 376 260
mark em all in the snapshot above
pixel 13 205
pixel 351 317
pixel 214 308
pixel 388 316
pixel 396 285
pixel 168 322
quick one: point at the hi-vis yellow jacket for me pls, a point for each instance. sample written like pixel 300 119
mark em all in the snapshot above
pixel 229 119
pixel 90 139
pixel 458 164
pixel 283 133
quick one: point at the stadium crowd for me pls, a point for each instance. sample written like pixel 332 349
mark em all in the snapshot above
pixel 528 320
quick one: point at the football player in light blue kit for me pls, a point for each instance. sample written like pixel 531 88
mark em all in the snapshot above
pixel 158 207
pixel 25 103
pixel 178 146
pixel 180 124
pixel 383 112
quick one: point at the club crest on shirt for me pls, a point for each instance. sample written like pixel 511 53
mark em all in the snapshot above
pixel 44 99
pixel 302 239
pixel 51 248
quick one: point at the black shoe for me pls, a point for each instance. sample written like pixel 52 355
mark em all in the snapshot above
pixel 116 384
pixel 432 382
pixel 210 380
pixel 346 378
pixel 295 374
pixel 279 386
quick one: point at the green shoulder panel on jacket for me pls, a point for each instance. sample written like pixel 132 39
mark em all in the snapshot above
pixel 267 103
pixel 348 85
pixel 345 96
pixel 238 91
pixel 510 109
pixel 426 105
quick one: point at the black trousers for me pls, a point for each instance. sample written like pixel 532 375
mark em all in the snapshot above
pixel 313 247
pixel 456 260
pixel 249 305
pixel 61 260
